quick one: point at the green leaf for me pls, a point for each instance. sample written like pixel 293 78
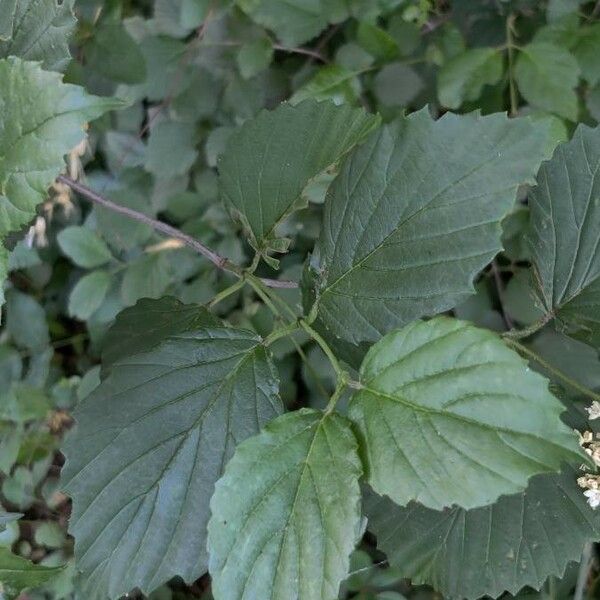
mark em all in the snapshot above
pixel 463 77
pixel 148 276
pixel 171 149
pixel 547 75
pixel 6 518
pixel 331 82
pixel 254 57
pixel 414 215
pixel 586 50
pixel 39 31
pixel 84 247
pixel 88 294
pixel 397 84
pixel 293 21
pixel 271 158
pixel 17 574
pixel 377 42
pixel 35 135
pixel 564 234
pixel 145 325
pixel 22 308
pixel 113 53
pixel 286 514
pixel 448 414
pixel 150 442
pixel 518 541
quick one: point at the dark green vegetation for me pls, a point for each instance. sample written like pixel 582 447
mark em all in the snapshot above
pixel 300 299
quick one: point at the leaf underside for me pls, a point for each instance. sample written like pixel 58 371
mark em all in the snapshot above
pixel 286 514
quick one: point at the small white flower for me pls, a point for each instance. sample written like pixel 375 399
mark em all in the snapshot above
pixel 593 497
pixel 594 410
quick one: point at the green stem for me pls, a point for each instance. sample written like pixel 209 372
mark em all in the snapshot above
pixel 337 394
pixel 339 372
pixel 584 571
pixel 282 332
pixel 228 291
pixel 518 334
pixel 261 293
pixel 510 21
pixel 558 374
pixel 311 369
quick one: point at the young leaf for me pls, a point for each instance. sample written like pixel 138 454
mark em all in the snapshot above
pixel 331 82
pixel 39 31
pixel 414 215
pixel 36 134
pixel 150 442
pixel 518 541
pixel 145 325
pixel 84 247
pixel 547 75
pixel 565 232
pixel 464 76
pixel 269 161
pixel 448 414
pixel 17 574
pixel 286 514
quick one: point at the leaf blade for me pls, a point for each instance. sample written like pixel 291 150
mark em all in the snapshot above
pixel 450 415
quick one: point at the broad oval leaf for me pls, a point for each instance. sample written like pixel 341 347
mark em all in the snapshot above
pixel 270 160
pixel 547 75
pixel 565 232
pixel 39 30
pixel 41 119
pixel 518 541
pixel 414 215
pixel 286 514
pixel 150 442
pixel 448 414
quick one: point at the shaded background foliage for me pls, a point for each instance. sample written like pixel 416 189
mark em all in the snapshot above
pixel 192 71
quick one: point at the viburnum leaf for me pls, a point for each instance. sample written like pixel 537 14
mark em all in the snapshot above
pixel 518 541
pixel 464 76
pixel 39 30
pixel 448 414
pixel 585 50
pixel 143 326
pixel 84 247
pixel 565 232
pixel 272 158
pixel 41 119
pixel 150 442
pixel 17 573
pixel 414 215
pixel 546 75
pixel 286 514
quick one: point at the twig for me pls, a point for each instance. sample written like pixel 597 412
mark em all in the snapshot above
pixel 500 289
pixel 216 259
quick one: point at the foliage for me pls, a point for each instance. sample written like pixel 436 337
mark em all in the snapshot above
pixel 300 299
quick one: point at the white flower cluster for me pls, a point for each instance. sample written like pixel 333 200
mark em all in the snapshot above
pixel 589 482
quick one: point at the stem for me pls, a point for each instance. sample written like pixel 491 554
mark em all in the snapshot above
pixel 337 394
pixel 558 374
pixel 584 569
pixel 314 374
pixel 339 372
pixel 500 289
pixel 518 334
pixel 227 292
pixel 510 22
pixel 255 284
pixel 216 259
pixel 281 333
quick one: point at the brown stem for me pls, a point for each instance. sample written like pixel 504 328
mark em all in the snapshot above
pixel 216 259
